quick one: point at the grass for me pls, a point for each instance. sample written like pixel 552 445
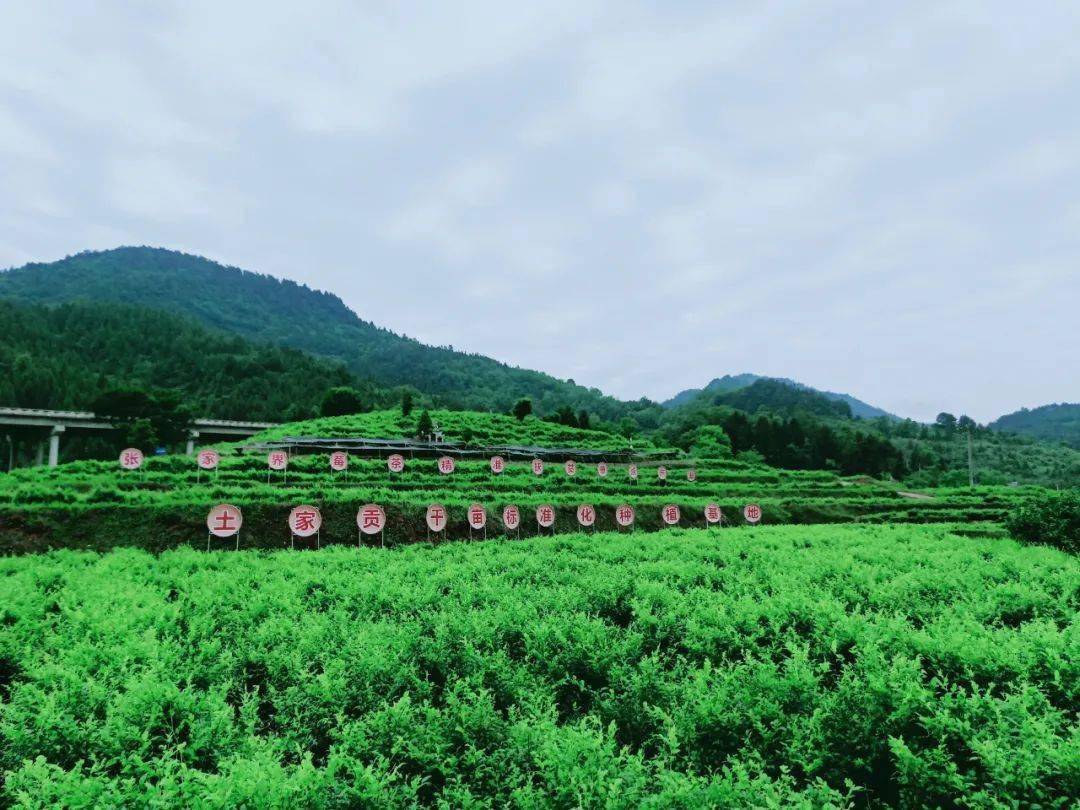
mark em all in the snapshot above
pixel 774 666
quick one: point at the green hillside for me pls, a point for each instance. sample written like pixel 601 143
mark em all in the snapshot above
pixel 1055 423
pixel 66 356
pixel 267 309
pixel 733 382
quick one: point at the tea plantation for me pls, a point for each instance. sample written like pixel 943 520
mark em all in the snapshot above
pixel 776 666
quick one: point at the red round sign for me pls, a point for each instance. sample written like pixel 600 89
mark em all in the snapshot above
pixel 396 463
pixel 538 466
pixel 691 474
pixel 339 460
pixel 671 514
pixel 586 515
pixel 224 520
pixel 370 518
pixel 498 464
pixel 752 513
pixel 304 521
pixel 477 516
pixel 632 471
pixel 208 459
pixel 624 515
pixel 446 465
pixel 511 517
pixel 545 515
pixel 571 467
pixel 601 469
pixel 436 517
pixel 661 473
pixel 277 459
pixel 131 459
pixel 713 513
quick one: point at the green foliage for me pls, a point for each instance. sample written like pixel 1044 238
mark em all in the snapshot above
pixel 424 426
pixel 710 441
pixel 522 408
pixel 1052 518
pixel 146 419
pixel 779 397
pixel 897 666
pixel 1055 423
pixel 342 401
pixel 406 403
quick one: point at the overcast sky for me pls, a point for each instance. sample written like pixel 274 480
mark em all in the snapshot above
pixel 876 198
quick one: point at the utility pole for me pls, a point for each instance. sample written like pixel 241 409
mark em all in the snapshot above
pixel 971 464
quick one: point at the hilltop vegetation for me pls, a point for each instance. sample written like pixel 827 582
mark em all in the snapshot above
pixel 900 666
pixel 266 309
pixel 733 382
pixel 1054 423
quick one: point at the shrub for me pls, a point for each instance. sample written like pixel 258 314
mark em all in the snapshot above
pixel 1051 518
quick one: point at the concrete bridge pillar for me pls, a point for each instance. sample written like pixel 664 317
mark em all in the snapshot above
pixel 54 445
pixel 192 436
pixel 39 454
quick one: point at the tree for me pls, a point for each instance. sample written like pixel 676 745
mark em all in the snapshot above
pixel 406 403
pixel 146 419
pixel 522 409
pixel 424 426
pixel 583 419
pixel 341 401
pixel 946 422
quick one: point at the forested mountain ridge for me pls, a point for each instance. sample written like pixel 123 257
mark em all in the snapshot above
pixel 265 308
pixel 1059 422
pixel 733 382
pixel 66 356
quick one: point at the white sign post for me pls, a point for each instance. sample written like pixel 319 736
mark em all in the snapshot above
pixel 339 462
pixel 304 521
pixel 712 514
pixel 371 519
pixel 477 519
pixel 224 520
pixel 277 460
pixel 586 515
pixel 691 475
pixel 545 517
pixel 511 517
pixel 207 459
pixel 131 458
pixel 436 519
pixel 661 472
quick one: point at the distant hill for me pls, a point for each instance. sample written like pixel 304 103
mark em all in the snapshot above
pixel 1058 423
pixel 267 309
pixel 65 356
pixel 732 382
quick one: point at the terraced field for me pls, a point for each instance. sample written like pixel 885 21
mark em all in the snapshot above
pixel 98 505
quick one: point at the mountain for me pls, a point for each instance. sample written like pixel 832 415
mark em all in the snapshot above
pixel 270 310
pixel 732 382
pixel 1057 423
pixel 66 356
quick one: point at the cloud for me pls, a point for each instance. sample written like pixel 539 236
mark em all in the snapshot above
pixel 872 198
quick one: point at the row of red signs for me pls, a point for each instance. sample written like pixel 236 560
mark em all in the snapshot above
pixel 132 459
pixel 225 520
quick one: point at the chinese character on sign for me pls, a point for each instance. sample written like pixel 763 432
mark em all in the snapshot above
pixel 131 459
pixel 752 513
pixel 511 517
pixel 632 470
pixel 477 516
pixel 571 467
pixel 208 459
pixel 396 463
pixel 436 517
pixel 712 513
pixel 224 520
pixel 671 514
pixel 339 461
pixel 497 464
pixel 691 475
pixel 305 521
pixel 538 466
pixel 601 469
pixel 277 459
pixel 446 465
pixel 371 518
pixel 661 473
pixel 545 515
pixel 624 515
pixel 586 515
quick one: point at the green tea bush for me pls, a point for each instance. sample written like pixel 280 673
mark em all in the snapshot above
pixel 1052 518
pixel 754 667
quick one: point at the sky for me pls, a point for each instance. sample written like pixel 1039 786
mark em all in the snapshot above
pixel 876 198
